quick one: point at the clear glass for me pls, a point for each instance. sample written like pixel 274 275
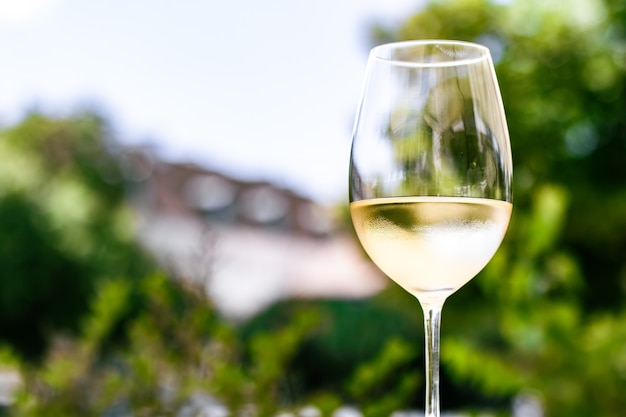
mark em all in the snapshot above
pixel 430 173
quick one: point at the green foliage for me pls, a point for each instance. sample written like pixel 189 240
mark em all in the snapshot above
pixel 41 285
pixel 349 333
pixel 372 379
pixel 178 348
pixel 65 225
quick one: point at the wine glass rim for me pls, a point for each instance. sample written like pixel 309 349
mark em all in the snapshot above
pixel 481 53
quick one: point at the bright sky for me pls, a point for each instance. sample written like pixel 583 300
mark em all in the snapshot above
pixel 260 89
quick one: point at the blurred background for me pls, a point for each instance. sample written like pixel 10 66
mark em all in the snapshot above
pixel 174 236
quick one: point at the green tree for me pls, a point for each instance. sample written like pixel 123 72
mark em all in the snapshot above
pixel 64 225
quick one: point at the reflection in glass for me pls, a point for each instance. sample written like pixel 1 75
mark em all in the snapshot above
pixel 430 173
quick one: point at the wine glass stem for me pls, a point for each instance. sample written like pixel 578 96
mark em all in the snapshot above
pixel 432 323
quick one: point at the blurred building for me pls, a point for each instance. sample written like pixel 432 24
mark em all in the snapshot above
pixel 251 242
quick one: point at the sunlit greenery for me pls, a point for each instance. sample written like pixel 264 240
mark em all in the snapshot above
pixel 96 329
pixel 179 354
pixel 65 226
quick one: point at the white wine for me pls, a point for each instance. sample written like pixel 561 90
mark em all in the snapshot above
pixel 431 245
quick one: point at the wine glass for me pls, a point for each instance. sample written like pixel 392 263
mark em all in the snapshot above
pixel 430 173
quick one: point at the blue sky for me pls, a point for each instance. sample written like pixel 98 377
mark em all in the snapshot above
pixel 262 90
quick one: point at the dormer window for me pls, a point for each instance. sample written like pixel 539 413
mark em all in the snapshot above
pixel 209 192
pixel 263 205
